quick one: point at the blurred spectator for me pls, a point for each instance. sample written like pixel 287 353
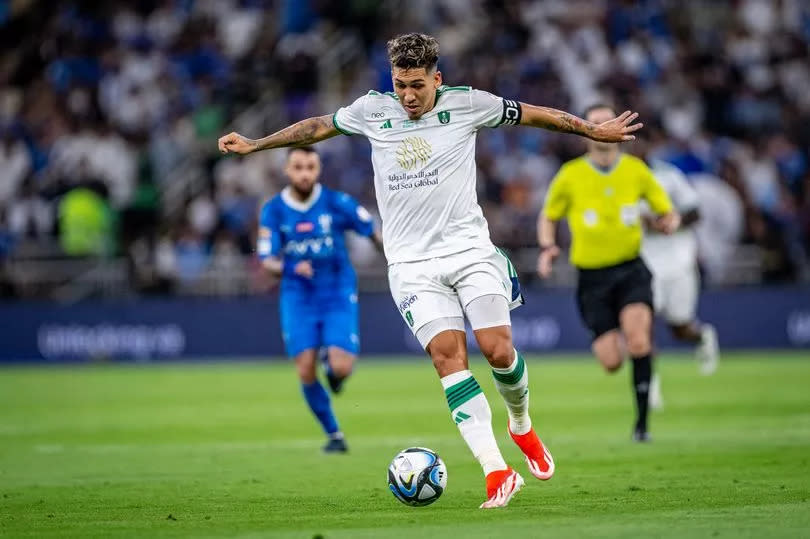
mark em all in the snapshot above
pixel 29 214
pixel 238 210
pixel 86 222
pixel 203 214
pixel 721 225
pixel 191 256
pixel 90 92
pixel 15 165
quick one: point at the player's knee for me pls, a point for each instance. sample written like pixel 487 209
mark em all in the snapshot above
pixel 447 362
pixel 610 362
pixel 499 352
pixel 305 366
pixel 306 373
pixel 447 356
pixel 342 366
pixel 612 367
pixel 638 343
pixel 608 350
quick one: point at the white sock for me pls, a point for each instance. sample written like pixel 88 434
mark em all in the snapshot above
pixel 470 411
pixel 513 385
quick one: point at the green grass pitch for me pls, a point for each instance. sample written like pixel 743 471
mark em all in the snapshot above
pixel 229 450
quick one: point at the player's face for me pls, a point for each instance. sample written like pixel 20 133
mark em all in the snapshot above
pixel 599 116
pixel 416 89
pixel 303 169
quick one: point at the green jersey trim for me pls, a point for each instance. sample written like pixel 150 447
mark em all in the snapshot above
pixel 441 89
pixel 335 123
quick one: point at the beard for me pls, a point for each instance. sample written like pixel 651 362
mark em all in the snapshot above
pixel 303 192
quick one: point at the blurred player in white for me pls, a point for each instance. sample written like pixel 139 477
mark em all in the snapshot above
pixel 442 265
pixel 672 259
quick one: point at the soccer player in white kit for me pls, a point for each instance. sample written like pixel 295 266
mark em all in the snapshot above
pixel 672 259
pixel 442 265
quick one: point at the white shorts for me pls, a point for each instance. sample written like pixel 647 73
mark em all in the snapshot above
pixel 675 296
pixel 428 290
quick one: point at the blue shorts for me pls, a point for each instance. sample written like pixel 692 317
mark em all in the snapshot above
pixel 326 321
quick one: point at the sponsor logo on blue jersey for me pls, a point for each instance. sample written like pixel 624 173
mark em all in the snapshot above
pixel 310 246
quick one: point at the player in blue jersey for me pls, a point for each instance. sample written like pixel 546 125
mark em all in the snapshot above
pixel 301 240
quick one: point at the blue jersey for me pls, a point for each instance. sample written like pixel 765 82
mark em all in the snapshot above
pixel 313 230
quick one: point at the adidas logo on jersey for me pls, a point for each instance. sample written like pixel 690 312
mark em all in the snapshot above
pixel 386 124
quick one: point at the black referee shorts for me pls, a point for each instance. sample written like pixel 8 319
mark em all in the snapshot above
pixel 603 293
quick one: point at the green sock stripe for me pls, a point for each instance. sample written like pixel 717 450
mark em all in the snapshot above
pixel 513 377
pixel 461 392
pixel 460 387
pixel 456 395
pixel 464 397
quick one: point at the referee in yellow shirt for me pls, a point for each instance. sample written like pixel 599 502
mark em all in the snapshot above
pixel 599 194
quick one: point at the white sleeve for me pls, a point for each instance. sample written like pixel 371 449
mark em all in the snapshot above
pixel 684 196
pixel 351 120
pixel 491 111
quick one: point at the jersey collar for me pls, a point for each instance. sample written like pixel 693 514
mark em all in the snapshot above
pixel 294 203
pixel 609 170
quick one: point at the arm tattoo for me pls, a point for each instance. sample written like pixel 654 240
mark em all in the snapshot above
pixel 303 133
pixel 557 120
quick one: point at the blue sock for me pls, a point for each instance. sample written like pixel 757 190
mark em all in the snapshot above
pixel 319 403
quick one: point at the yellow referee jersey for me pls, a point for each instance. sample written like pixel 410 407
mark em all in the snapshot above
pixel 602 208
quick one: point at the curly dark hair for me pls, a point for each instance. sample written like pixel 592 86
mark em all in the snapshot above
pixel 413 51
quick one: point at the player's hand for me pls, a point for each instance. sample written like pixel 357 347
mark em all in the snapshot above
pixel 304 269
pixel 235 143
pixel 668 223
pixel 545 260
pixel 618 129
pixel 649 222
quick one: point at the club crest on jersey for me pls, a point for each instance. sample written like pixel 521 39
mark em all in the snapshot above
pixel 305 226
pixel 444 117
pixel 325 220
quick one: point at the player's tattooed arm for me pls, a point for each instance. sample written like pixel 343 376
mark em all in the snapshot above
pixel 619 129
pixel 303 133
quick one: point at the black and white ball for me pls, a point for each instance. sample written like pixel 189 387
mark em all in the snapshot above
pixel 417 476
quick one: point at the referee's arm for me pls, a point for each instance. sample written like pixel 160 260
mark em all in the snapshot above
pixel 555 207
pixel 547 238
pixel 668 219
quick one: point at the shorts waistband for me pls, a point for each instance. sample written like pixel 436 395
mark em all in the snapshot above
pixel 596 271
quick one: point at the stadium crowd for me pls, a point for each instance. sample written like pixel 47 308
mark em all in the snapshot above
pixel 102 104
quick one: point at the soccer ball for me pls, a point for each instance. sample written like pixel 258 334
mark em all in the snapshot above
pixel 417 476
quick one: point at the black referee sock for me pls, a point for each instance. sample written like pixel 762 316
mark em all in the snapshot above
pixel 642 374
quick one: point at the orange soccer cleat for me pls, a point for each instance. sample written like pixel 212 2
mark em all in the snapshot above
pixel 501 486
pixel 538 456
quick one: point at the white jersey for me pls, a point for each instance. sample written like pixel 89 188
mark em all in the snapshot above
pixel 424 170
pixel 676 253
